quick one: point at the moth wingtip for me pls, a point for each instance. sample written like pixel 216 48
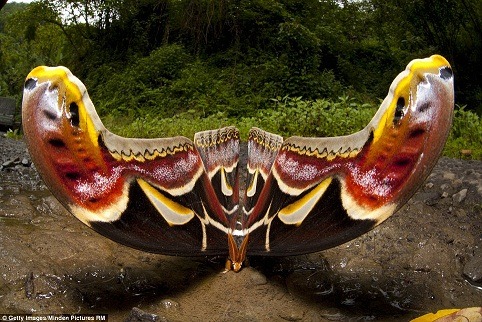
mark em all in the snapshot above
pixel 436 64
pixel 46 71
pixel 439 60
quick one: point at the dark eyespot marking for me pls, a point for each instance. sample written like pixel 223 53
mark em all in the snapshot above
pixel 415 133
pixel 30 83
pixel 57 143
pixel 74 114
pixel 402 162
pixel 72 175
pixel 51 116
pixel 446 72
pixel 399 110
pixel 423 107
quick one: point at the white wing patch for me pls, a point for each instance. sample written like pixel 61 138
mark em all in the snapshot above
pixel 108 214
pixel 358 212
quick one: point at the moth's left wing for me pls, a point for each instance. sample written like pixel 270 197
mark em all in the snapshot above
pixel 322 192
pixel 150 194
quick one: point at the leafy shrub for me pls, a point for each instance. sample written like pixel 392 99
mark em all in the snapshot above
pixel 295 116
pixel 289 116
pixel 154 87
pixel 152 126
pixel 13 134
pixel 170 81
pixel 466 134
pixel 140 87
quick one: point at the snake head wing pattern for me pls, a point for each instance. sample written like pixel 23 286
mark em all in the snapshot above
pixel 151 194
pixel 322 192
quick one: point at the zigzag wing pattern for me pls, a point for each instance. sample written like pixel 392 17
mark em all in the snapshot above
pixel 219 151
pixel 263 148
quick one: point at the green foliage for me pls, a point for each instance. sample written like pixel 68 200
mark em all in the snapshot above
pixel 13 134
pixel 139 87
pixel 295 116
pixel 152 126
pixel 168 82
pixel 286 116
pixel 201 90
pixel 164 67
pixel 289 116
pixel 466 134
pixel 26 42
pixel 287 47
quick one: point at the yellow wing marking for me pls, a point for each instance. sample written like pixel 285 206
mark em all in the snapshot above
pixel 171 211
pixel 251 190
pixel 226 188
pixel 407 84
pixel 268 140
pixel 470 314
pixel 295 213
pixel 206 139
pixel 69 92
pixel 149 155
pixel 309 151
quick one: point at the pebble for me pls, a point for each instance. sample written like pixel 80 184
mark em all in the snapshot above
pixel 15 163
pixel 10 163
pixel 257 278
pixel 473 268
pixel 292 316
pixel 138 315
pixel 169 304
pixel 457 182
pixel 430 198
pixel 460 196
pixel 449 175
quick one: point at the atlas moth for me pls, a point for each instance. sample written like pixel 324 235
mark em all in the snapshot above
pixel 177 196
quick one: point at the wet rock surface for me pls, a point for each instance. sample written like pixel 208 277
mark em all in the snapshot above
pixel 426 257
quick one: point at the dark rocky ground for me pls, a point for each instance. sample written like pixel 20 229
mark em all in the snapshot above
pixel 425 258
